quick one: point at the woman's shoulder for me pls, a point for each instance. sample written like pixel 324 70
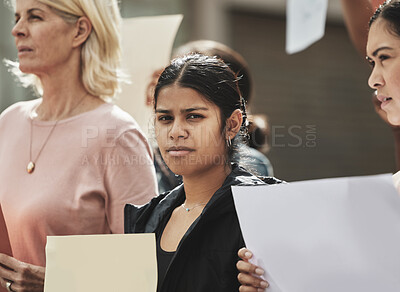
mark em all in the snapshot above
pixel 18 109
pixel 113 113
pixel 241 176
pixel 112 120
pixel 145 218
pixel 252 160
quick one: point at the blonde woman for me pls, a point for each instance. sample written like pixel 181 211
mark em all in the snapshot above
pixel 70 160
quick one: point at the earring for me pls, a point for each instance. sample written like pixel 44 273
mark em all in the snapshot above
pixel 229 142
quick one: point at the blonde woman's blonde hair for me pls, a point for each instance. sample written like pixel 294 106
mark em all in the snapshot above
pixel 100 54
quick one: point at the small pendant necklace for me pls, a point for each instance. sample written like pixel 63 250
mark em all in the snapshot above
pixel 32 162
pixel 31 165
pixel 190 209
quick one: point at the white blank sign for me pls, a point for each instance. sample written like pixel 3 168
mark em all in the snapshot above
pixel 328 235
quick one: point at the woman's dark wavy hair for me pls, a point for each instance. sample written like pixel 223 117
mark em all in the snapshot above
pixel 210 77
pixel 230 57
pixel 389 11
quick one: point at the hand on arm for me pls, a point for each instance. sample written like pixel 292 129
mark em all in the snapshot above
pixel 356 14
pixel 249 274
pixel 23 276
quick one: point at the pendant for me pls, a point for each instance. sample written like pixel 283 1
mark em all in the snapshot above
pixel 187 209
pixel 31 167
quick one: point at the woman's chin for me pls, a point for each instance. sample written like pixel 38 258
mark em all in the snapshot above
pixel 25 69
pixel 178 169
pixel 394 118
pixel 183 169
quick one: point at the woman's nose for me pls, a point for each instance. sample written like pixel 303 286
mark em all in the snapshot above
pixel 19 29
pixel 178 131
pixel 376 79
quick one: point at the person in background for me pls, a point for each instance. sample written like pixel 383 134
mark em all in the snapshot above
pixel 253 156
pixel 383 54
pixel 199 114
pixel 70 160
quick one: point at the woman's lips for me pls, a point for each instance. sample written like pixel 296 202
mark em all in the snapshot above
pixel 179 151
pixel 384 100
pixel 24 50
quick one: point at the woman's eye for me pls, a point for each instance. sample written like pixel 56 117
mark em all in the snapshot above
pixel 194 116
pixel 164 118
pixel 371 63
pixel 35 17
pixel 383 57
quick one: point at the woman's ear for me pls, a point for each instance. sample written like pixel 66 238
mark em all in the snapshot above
pixel 83 28
pixel 233 123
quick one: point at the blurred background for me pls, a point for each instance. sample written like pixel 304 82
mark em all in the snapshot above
pixel 318 101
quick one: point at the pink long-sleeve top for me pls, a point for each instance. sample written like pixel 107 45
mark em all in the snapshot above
pixel 90 167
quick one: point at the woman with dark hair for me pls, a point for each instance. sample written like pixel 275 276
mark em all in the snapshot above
pixel 250 156
pixel 199 112
pixel 383 54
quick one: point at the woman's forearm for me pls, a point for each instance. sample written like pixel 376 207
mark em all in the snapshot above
pixel 356 14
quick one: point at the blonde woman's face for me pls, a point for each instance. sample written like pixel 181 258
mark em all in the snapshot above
pixel 43 39
pixel 383 53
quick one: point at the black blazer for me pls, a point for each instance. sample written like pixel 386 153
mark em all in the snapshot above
pixel 206 257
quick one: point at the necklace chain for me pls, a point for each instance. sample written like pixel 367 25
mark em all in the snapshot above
pixel 190 209
pixel 32 163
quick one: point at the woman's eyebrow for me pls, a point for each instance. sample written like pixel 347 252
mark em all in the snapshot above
pixel 16 14
pixel 192 109
pixel 187 110
pixel 162 111
pixel 375 53
pixel 33 9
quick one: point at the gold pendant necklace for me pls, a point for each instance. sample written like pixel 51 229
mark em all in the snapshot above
pixel 32 163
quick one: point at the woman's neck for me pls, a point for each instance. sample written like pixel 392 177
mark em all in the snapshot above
pixel 200 187
pixel 64 94
pixel 64 100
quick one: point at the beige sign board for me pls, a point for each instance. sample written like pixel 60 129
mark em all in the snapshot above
pixel 101 263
